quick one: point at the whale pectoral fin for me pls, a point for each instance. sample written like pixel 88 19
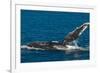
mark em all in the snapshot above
pixel 75 34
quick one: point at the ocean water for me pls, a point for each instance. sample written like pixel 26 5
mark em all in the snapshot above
pixel 52 26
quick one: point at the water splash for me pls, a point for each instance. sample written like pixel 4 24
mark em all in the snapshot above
pixel 76 43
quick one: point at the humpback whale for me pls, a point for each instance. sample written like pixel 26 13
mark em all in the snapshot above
pixel 60 45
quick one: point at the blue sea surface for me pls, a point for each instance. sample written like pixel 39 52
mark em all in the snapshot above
pixel 52 26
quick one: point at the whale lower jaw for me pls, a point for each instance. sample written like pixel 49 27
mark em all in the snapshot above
pixel 62 48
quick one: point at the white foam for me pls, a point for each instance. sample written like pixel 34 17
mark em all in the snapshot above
pixel 25 46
